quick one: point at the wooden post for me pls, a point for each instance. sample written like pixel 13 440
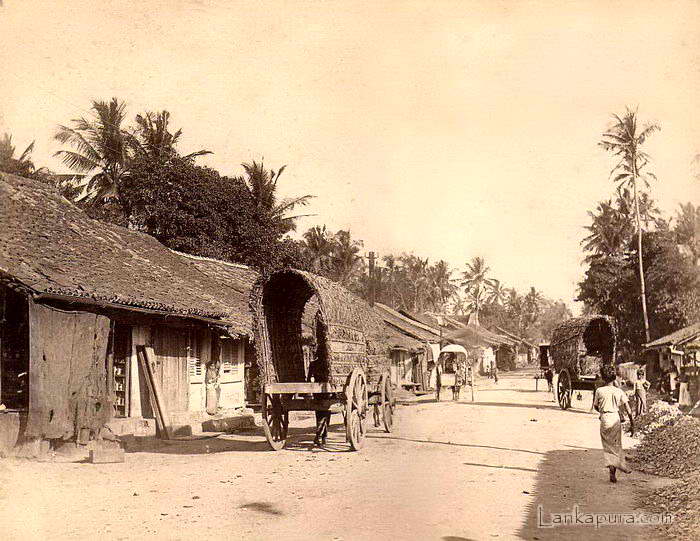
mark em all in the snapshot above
pixel 146 355
pixel 371 279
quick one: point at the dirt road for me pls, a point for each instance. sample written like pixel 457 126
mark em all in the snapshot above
pixel 450 471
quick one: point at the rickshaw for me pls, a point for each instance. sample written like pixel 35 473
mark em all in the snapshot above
pixel 579 347
pixel 351 347
pixel 453 369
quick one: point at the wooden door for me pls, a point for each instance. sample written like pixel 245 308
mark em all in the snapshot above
pixel 170 348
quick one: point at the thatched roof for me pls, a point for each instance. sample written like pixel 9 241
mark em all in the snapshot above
pixel 474 335
pixel 50 247
pixel 405 325
pixel 678 338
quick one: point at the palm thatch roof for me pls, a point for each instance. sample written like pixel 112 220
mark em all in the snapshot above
pixel 52 249
pixel 406 325
pixel 681 337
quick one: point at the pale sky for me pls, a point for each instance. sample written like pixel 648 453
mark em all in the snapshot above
pixel 450 129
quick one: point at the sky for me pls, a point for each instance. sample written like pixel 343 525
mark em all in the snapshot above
pixel 446 129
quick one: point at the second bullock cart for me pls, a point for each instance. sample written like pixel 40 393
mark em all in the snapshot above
pixel 578 348
pixel 348 340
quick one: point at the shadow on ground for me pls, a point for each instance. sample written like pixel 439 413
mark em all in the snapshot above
pixel 253 440
pixel 566 478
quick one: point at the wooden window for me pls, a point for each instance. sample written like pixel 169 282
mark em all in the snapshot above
pixel 195 366
pixel 232 355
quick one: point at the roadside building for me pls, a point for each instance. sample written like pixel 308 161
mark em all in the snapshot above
pixel 415 346
pixel 78 296
pixel 677 354
pixel 490 348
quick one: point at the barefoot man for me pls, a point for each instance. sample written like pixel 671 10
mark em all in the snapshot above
pixel 608 401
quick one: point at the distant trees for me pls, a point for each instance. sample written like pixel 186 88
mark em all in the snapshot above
pixel 135 176
pixel 195 210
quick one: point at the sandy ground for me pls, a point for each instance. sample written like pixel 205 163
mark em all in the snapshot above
pixel 449 471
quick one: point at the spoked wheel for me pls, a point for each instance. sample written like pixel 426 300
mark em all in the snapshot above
pixel 388 402
pixel 356 408
pixel 275 421
pixel 564 389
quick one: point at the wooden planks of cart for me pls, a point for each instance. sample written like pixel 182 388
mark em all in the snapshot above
pixel 578 348
pixel 349 341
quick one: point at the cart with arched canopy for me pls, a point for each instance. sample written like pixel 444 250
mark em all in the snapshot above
pixel 350 343
pixel 578 349
pixel 453 370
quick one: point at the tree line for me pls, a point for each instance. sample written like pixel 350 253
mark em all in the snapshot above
pixel 641 267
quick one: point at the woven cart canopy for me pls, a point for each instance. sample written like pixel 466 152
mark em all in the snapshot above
pixel 581 344
pixel 348 332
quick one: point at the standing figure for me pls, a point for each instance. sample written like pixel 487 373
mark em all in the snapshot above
pixel 641 386
pixel 459 379
pixel 549 377
pixel 323 417
pixel 495 373
pixel 609 399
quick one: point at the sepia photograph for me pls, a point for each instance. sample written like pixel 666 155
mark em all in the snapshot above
pixel 349 270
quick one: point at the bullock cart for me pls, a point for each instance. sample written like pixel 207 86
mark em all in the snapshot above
pixel 579 347
pixel 349 341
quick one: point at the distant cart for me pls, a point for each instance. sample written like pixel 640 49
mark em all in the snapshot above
pixel 450 361
pixel 350 344
pixel 579 347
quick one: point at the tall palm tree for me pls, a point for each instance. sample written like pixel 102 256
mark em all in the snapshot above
pixel 442 287
pixel 474 281
pixel 100 150
pixel 262 185
pixel 346 261
pixel 154 139
pixel 319 246
pixel 532 305
pixel 624 140
pixel 496 292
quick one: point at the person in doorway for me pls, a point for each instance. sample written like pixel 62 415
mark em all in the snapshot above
pixel 609 399
pixel 323 417
pixel 641 386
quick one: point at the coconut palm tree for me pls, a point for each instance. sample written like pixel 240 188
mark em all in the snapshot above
pixel 319 247
pixel 346 261
pixel 609 232
pixel 441 285
pixel 100 152
pixel 624 139
pixel 262 185
pixel 496 292
pixel 474 282
pixel 153 138
pixel 21 165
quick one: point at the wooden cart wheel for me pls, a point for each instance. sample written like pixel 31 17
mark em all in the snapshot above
pixel 275 421
pixel 564 389
pixel 388 402
pixel 356 409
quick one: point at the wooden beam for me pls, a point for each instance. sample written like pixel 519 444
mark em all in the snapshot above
pixel 293 388
pixel 146 357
